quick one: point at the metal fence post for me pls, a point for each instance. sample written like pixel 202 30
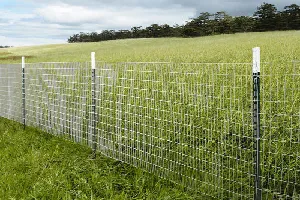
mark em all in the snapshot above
pixel 94 142
pixel 23 92
pixel 256 122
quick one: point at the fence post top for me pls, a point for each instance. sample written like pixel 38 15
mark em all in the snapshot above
pixel 93 60
pixel 23 62
pixel 256 48
pixel 256 59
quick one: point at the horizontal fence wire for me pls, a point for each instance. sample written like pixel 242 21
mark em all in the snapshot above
pixel 190 123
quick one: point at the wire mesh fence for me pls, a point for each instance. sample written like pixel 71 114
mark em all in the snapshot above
pixel 11 91
pixel 280 126
pixel 58 99
pixel 188 123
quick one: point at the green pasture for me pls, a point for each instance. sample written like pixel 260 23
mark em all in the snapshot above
pixel 275 46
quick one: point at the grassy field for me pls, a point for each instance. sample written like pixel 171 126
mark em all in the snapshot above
pixel 275 46
pixel 198 119
pixel 37 165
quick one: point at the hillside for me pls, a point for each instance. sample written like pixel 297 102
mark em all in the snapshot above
pixel 275 47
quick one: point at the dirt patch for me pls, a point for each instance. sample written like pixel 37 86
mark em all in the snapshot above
pixel 15 57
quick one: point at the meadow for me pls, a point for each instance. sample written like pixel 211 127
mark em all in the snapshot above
pixel 189 123
pixel 275 47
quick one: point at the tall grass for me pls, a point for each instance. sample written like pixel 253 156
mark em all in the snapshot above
pixel 275 46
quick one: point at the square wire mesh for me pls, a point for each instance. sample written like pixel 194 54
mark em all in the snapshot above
pixel 58 99
pixel 189 123
pixel 280 126
pixel 11 91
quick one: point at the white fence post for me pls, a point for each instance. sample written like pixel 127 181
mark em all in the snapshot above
pixel 256 122
pixel 256 60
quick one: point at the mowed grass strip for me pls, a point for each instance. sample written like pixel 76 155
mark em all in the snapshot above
pixel 37 165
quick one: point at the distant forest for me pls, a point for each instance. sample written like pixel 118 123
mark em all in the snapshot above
pixel 5 47
pixel 266 18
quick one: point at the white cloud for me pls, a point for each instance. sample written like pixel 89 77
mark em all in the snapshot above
pixel 9 15
pixel 233 7
pixel 106 17
pixel 12 41
pixel 64 13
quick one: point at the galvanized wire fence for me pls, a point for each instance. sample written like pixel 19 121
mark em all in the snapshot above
pixel 58 99
pixel 189 123
pixel 280 127
pixel 11 92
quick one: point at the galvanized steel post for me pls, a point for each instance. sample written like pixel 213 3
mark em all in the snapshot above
pixel 256 123
pixel 23 93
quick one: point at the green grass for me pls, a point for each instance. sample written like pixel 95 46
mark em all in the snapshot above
pixel 275 46
pixel 37 165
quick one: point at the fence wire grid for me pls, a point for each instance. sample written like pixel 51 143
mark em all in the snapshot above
pixel 188 123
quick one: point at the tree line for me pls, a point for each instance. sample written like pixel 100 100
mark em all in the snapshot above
pixel 1 47
pixel 265 18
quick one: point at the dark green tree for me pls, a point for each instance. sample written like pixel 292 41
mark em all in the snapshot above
pixel 243 24
pixel 266 17
pixel 224 23
pixel 291 17
pixel 200 26
pixel 153 31
pixel 136 31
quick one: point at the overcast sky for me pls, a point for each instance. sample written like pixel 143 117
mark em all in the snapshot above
pixel 32 22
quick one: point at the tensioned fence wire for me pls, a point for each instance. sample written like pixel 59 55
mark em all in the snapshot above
pixel 189 123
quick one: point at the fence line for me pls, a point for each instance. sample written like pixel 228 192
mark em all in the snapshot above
pixel 227 130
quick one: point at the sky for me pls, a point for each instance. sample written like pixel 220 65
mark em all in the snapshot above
pixel 35 22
